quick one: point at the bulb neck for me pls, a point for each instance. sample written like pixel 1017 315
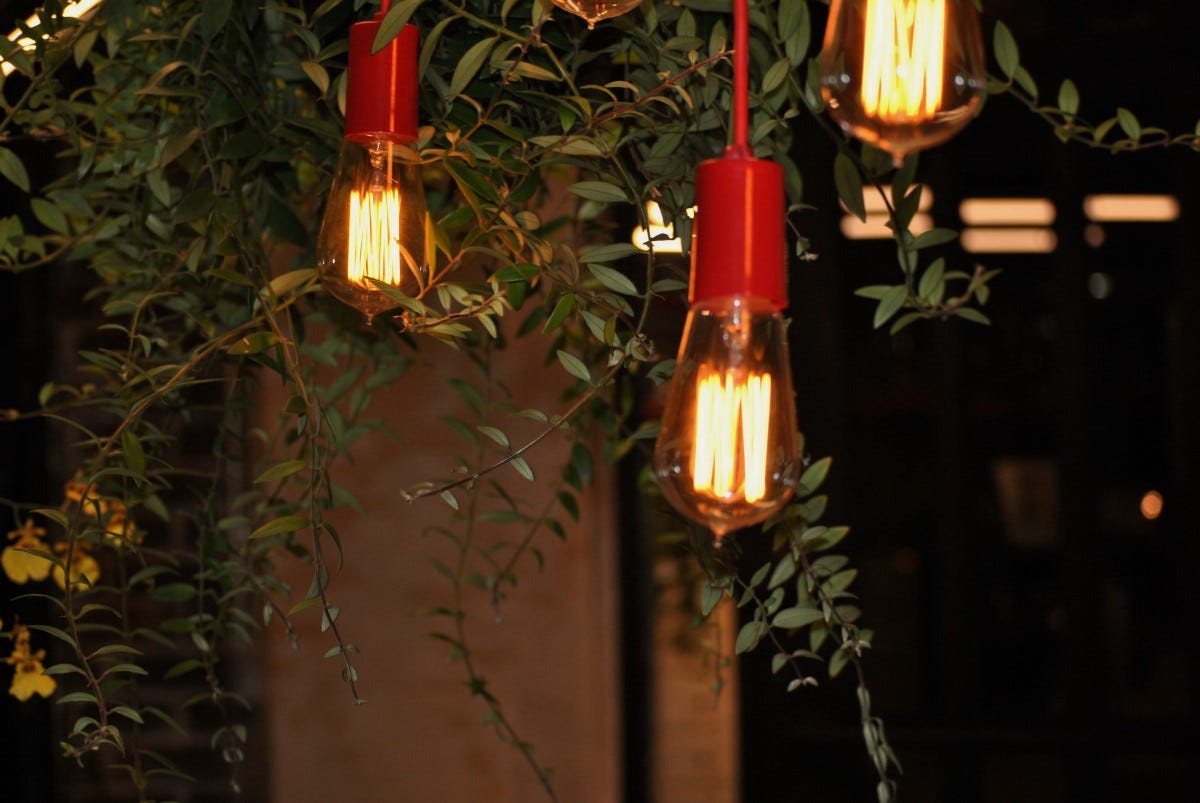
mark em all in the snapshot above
pixel 381 88
pixel 739 244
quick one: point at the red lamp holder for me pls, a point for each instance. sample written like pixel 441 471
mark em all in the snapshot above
pixel 739 243
pixel 381 88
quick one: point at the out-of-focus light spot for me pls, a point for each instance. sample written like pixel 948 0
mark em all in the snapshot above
pixel 1007 212
pixel 1100 285
pixel 1009 241
pixel 1093 235
pixel 874 204
pixel 669 244
pixel 76 9
pixel 1131 208
pixel 1152 505
pixel 876 228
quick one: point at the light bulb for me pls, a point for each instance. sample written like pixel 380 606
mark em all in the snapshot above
pixel 374 224
pixel 728 452
pixel 902 75
pixel 595 10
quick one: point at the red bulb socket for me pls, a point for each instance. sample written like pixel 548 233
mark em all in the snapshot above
pixel 739 244
pixel 381 88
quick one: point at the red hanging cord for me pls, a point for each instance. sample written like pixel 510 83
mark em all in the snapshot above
pixel 385 6
pixel 741 73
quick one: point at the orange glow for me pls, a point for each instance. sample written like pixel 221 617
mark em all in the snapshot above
pixel 1131 208
pixel 1152 505
pixel 731 412
pixel 1007 212
pixel 1008 240
pixel 76 9
pixel 903 59
pixel 374 237
pixel 875 227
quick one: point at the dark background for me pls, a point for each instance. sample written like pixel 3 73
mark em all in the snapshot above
pixel 1050 656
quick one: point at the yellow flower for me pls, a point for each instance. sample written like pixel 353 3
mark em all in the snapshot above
pixel 74 490
pixel 29 676
pixel 21 566
pixel 85 571
pixel 119 529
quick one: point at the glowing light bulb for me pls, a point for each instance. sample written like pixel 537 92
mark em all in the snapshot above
pixel 728 452
pixel 595 10
pixel 902 74
pixel 374 224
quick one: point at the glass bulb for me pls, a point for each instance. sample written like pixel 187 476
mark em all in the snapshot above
pixel 728 453
pixel 902 74
pixel 595 10
pixel 374 226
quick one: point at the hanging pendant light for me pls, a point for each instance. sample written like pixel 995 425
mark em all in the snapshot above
pixel 902 75
pixel 728 452
pixel 595 10
pixel 374 224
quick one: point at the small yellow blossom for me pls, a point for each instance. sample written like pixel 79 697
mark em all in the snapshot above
pixel 85 571
pixel 21 566
pixel 92 501
pixel 119 529
pixel 29 676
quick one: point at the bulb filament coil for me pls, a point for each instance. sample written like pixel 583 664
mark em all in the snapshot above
pixel 903 59
pixel 732 415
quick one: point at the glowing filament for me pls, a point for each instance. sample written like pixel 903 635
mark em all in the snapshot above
pixel 374 241
pixel 903 58
pixel 732 422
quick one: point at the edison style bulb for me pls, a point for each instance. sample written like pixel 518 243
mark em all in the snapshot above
pixel 902 74
pixel 595 10
pixel 728 453
pixel 374 226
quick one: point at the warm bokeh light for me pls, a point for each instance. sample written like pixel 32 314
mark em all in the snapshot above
pixel 875 227
pixel 1152 505
pixel 1009 241
pixel 1131 208
pixel 76 9
pixel 1007 212
pixel 669 244
pixel 874 204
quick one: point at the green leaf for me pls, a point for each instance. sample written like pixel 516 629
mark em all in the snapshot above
pixel 814 475
pixel 874 291
pixel 1026 82
pixel 1068 98
pixel 562 309
pixel 128 713
pixel 522 467
pixel 1008 56
pixel 470 64
pixel 317 74
pixel 393 22
pixel 599 191
pixel 606 253
pixel 173 592
pixel 283 524
pixel 890 304
pixel 131 447
pixel 760 575
pixel 495 434
pixel 280 470
pixel 613 279
pixel 575 366
pixel 1129 123
pixel 776 75
pixel 934 237
pixel 749 636
pixel 791 618
pixel 784 571
pixel 931 278
pixel 213 16
pixel 49 216
pixel 849 186
pixel 13 169
pixel 973 315
pixel 710 596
